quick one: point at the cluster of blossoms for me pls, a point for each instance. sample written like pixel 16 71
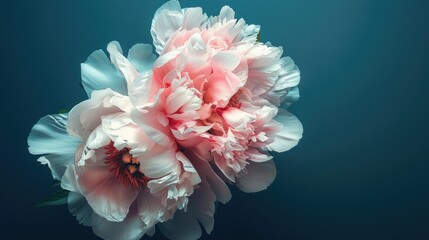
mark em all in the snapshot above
pixel 161 136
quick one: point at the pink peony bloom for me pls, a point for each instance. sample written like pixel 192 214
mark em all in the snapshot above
pixel 159 136
pixel 122 180
pixel 219 90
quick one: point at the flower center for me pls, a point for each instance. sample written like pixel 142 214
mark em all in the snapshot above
pixel 234 101
pixel 124 167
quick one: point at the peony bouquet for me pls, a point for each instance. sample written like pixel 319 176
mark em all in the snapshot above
pixel 161 136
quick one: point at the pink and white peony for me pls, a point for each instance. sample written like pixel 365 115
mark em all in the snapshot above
pixel 218 89
pixel 159 136
pixel 121 182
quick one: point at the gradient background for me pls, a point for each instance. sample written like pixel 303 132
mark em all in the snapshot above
pixel 361 170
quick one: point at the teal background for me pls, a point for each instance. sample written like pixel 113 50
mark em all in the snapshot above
pixel 361 170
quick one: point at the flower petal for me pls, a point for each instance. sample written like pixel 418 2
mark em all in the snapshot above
pixel 69 179
pixel 86 116
pixel 79 207
pixel 258 176
pixel 202 206
pixel 289 77
pixel 167 19
pixel 121 62
pixel 192 18
pixel 217 185
pixel 237 118
pixel 107 196
pixel 150 208
pixel 291 96
pixel 99 73
pixel 140 55
pixel 181 227
pixel 221 87
pixel 158 162
pixel 49 136
pixel 131 228
pixel 150 123
pixel 290 134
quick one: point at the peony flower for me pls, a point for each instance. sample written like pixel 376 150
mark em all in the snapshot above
pixel 219 90
pixel 160 136
pixel 121 182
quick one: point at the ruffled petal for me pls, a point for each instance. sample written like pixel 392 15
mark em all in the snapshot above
pixel 107 196
pixel 141 56
pixel 289 135
pixel 150 208
pixel 257 177
pixel 192 18
pixel 217 185
pixel 149 121
pixel 121 62
pixel 131 228
pixel 99 73
pixel 86 116
pixel 158 162
pixel 222 85
pixel 181 227
pixel 69 179
pixel 167 20
pixel 49 136
pixel 289 77
pixel 79 207
pixel 291 96
pixel 201 206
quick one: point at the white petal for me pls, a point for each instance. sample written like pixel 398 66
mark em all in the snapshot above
pixel 237 118
pixel 142 89
pixel 86 116
pixel 150 123
pixel 167 19
pixel 289 75
pixel 291 96
pixel 165 58
pixel 99 73
pixel 258 176
pixel 218 186
pixel 223 167
pixel 107 196
pixel 69 179
pixel 225 60
pixel 121 62
pixel 140 55
pixel 151 210
pixel 202 206
pixel 97 139
pixel 288 79
pixel 49 136
pixel 131 228
pixel 188 167
pixel 256 156
pixel 193 17
pixel 57 163
pixel 181 227
pixel 226 13
pixel 289 136
pixel 79 207
pixel 158 162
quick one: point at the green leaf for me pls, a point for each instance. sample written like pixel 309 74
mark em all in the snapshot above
pixel 63 110
pixel 56 198
pixel 258 37
pixel 56 183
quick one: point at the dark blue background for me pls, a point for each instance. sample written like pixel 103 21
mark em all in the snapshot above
pixel 361 170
